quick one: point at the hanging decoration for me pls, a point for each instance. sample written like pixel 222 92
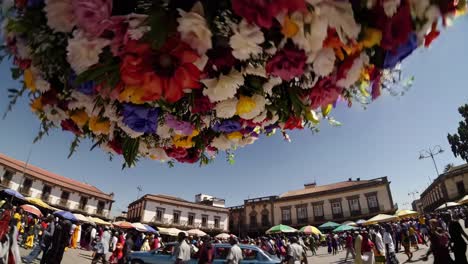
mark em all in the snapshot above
pixel 182 80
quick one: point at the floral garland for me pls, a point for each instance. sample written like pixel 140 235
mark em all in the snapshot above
pixel 180 80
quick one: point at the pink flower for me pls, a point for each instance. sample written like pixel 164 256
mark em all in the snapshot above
pixel 324 92
pixel 115 32
pixel 201 105
pixel 287 63
pixel 262 12
pixel 93 16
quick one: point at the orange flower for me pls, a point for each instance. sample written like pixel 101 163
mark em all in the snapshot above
pixel 289 28
pixel 99 126
pixel 36 105
pixel 80 118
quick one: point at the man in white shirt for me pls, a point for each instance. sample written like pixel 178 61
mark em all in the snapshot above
pixel 235 253
pixel 295 252
pixel 182 251
pixel 379 244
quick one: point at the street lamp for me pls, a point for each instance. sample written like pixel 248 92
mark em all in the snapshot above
pixel 413 194
pixel 430 153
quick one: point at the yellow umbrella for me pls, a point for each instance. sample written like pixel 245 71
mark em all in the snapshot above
pixel 99 221
pixel 38 202
pixel 406 213
pixel 463 200
pixel 310 230
pixel 381 218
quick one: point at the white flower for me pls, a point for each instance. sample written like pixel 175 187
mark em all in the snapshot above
pixel 41 84
pixel 194 30
pixel 257 110
pixel 201 62
pixel 110 111
pixel 354 72
pixel 158 154
pixel 260 118
pixel 390 7
pixel 256 71
pixel 340 16
pixel 270 84
pixel 22 49
pixel 136 26
pixel 143 148
pixel 324 62
pixel 164 131
pixel 419 7
pixel 83 52
pixel 60 15
pixel 245 41
pixel 224 87
pixel 246 141
pixel 272 121
pixel 55 114
pixel 226 108
pixel 312 40
pixel 82 101
pixel 221 143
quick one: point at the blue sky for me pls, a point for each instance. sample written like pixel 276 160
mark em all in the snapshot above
pixel 382 140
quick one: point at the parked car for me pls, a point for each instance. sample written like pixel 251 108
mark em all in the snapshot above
pixel 252 254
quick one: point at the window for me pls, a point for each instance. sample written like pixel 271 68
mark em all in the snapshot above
pixel 204 221
pixel 159 214
pixel 302 214
pixel 249 254
pixel 6 179
pixel 216 222
pixel 64 198
pixel 286 215
pixel 253 219
pixel 191 218
pixel 336 208
pixel 318 211
pixel 27 183
pixel 46 190
pixel 461 188
pixel 265 218
pixel 354 206
pixel 83 203
pixel 100 207
pixel 176 217
pixel 372 202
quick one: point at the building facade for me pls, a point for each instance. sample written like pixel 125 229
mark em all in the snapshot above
pixel 169 211
pixel 416 205
pixel 314 205
pixel 55 190
pixel 448 187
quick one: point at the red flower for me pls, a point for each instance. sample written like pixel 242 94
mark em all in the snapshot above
pixel 262 12
pixel 193 155
pixel 431 36
pixel 324 92
pixel 396 29
pixel 293 123
pixel 49 98
pixel 448 6
pixel 165 73
pixel 69 125
pixel 116 146
pixel 201 104
pixel 287 63
pixel 220 59
pixel 22 63
pixel 176 153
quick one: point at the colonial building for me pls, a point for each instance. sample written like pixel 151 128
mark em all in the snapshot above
pixel 448 187
pixel 416 205
pixel 55 190
pixel 207 214
pixel 314 205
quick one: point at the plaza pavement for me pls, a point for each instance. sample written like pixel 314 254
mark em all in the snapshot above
pixel 77 256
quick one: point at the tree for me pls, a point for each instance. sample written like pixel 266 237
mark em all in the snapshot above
pixel 448 167
pixel 459 142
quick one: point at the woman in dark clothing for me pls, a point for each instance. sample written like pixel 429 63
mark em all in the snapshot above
pixel 206 254
pixel 439 244
pixel 459 245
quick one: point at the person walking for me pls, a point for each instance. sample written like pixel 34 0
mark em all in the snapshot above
pixel 312 245
pixel 358 248
pixel 128 247
pixel 379 246
pixel 295 252
pixel 206 254
pixel 349 246
pixel 235 253
pixel 439 244
pixel 389 245
pixel 99 252
pixel 182 251
pixel 44 244
pixel 367 249
pixel 458 243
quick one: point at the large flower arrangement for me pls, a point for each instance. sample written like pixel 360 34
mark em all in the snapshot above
pixel 182 80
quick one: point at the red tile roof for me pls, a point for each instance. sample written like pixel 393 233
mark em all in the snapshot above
pixel 329 187
pixel 53 178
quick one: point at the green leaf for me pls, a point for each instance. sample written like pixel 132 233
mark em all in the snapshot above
pixel 73 146
pixel 130 151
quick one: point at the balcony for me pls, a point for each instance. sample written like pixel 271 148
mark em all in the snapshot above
pixel 355 213
pixel 26 191
pixel 302 221
pixel 63 202
pixel 374 210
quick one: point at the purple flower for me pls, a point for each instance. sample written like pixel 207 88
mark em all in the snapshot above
pixel 227 126
pixel 182 127
pixel 392 58
pixel 87 87
pixel 140 118
pixel 270 128
pixel 35 3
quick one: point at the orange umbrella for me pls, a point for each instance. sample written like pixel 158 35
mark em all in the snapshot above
pixel 31 209
pixel 123 224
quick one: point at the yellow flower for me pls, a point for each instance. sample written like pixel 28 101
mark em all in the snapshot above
pixel 132 94
pixel 183 141
pixel 36 105
pixel 371 37
pixel 290 28
pixel 29 80
pixel 99 126
pixel 245 105
pixel 80 118
pixel 234 135
pixel 195 133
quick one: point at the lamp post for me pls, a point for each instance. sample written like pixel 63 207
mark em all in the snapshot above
pixel 430 153
pixel 413 194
